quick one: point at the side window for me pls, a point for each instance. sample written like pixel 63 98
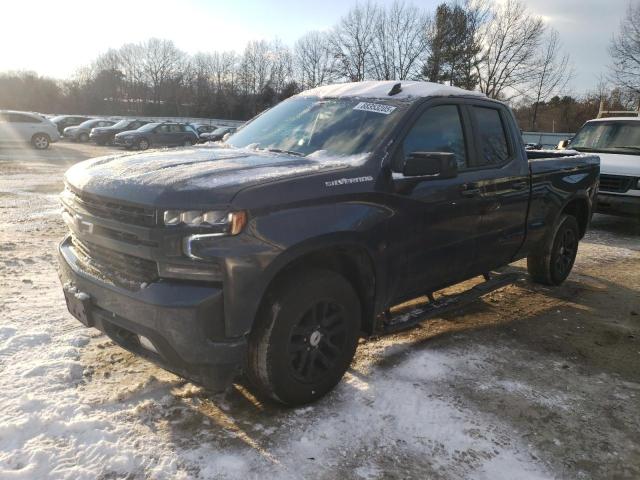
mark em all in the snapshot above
pixel 439 129
pixel 177 128
pixel 163 129
pixel 20 118
pixel 494 149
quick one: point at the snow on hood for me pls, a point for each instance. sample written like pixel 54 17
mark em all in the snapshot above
pixel 615 164
pixel 380 89
pixel 145 176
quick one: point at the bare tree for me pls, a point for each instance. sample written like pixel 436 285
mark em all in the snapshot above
pixel 625 51
pixel 313 59
pixel 399 42
pixel 551 74
pixel 254 67
pixel 511 40
pixel 162 63
pixel 352 41
pixel 281 66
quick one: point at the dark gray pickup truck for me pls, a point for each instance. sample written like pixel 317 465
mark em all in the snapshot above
pixel 273 253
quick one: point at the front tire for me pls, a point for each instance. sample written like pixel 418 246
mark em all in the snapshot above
pixel 83 138
pixel 40 141
pixel 304 338
pixel 553 264
pixel 142 144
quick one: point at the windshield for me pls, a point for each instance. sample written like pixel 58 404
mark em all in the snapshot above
pixel 148 127
pixel 88 123
pixel 304 125
pixel 122 124
pixel 619 137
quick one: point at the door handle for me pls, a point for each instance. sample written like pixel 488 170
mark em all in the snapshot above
pixel 470 190
pixel 520 185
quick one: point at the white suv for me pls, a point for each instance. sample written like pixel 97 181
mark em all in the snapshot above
pixel 616 140
pixel 21 127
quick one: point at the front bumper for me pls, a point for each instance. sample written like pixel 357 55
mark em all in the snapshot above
pixel 622 205
pixel 124 142
pixel 101 137
pixel 71 135
pixel 172 315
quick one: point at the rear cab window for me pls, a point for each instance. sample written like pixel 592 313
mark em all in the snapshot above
pixel 493 148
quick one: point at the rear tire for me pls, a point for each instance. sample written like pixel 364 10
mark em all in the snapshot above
pixel 553 264
pixel 304 338
pixel 40 141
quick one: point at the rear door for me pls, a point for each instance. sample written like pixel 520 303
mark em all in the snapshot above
pixel 178 134
pixel 502 184
pixel 21 127
pixel 437 221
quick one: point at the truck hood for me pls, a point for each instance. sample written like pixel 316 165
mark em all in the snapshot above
pixel 192 177
pixel 616 164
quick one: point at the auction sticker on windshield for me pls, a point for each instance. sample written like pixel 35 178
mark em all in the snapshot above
pixel 375 107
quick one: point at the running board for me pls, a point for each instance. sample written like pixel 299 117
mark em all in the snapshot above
pixel 434 308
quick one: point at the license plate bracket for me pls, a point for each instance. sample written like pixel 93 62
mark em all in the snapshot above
pixel 79 305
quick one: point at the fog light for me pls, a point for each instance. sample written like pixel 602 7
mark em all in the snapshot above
pixel 146 343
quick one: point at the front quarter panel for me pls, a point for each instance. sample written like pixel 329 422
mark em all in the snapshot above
pixel 278 235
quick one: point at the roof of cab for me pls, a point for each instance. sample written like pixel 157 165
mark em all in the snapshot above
pixel 615 119
pixel 381 89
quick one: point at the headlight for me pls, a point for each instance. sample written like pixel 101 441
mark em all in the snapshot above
pixel 195 218
pixel 638 184
pixel 225 223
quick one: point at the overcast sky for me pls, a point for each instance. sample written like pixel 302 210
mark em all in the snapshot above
pixel 55 38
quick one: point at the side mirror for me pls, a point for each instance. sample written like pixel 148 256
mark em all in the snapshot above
pixel 562 144
pixel 433 164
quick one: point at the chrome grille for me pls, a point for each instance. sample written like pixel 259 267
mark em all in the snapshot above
pixel 114 267
pixel 615 183
pixel 109 209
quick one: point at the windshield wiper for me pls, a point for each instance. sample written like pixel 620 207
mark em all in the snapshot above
pixel 630 147
pixel 290 152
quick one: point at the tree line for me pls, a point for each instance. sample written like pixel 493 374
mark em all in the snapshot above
pixel 500 48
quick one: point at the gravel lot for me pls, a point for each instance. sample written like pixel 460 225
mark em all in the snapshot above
pixel 529 382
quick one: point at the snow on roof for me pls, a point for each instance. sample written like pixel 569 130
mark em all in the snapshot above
pixel 380 89
pixel 615 119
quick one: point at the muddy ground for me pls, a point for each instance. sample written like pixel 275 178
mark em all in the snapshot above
pixel 528 382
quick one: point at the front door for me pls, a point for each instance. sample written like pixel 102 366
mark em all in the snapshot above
pixel 438 219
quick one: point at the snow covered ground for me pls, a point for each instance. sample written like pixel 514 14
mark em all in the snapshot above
pixel 529 383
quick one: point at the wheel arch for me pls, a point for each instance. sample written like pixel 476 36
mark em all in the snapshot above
pixel 579 208
pixel 351 260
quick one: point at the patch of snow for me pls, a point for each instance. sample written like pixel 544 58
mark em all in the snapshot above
pixel 380 89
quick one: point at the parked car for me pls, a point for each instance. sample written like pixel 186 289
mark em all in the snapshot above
pixel 533 146
pixel 80 133
pixel 201 128
pixel 217 134
pixel 164 134
pixel 64 121
pixel 274 253
pixel 616 140
pixel 106 135
pixel 27 127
